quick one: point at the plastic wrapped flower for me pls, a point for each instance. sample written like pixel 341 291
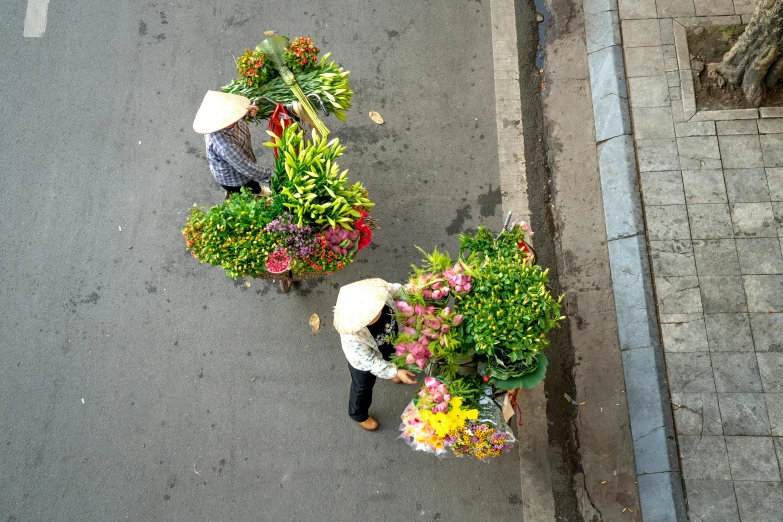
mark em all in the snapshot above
pixel 278 262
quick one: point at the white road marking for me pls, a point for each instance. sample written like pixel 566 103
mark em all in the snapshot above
pixel 35 20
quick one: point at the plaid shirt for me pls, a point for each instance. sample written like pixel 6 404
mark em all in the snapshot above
pixel 231 157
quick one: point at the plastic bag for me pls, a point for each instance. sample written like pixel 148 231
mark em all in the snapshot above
pixel 279 120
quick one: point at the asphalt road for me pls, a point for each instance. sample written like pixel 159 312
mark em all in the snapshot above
pixel 137 384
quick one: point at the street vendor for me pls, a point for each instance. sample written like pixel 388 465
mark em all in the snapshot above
pixel 364 317
pixel 221 119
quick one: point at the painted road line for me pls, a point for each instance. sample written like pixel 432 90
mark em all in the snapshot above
pixel 35 20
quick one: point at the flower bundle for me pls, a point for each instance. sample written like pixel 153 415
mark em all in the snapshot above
pixel 254 68
pixel 426 330
pixel 301 55
pixel 479 440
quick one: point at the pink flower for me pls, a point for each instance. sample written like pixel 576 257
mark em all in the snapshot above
pixel 421 363
pixel 457 319
pixel 445 328
pixel 430 381
pixel 446 398
pixel 410 359
pixel 446 312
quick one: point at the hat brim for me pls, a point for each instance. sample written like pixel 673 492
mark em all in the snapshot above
pixel 359 303
pixel 219 110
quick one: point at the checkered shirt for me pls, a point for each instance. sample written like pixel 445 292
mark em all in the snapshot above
pixel 231 157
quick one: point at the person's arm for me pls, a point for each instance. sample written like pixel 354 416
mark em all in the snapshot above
pixel 395 289
pixel 361 354
pixel 237 159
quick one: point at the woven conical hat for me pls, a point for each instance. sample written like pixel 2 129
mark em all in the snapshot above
pixel 218 111
pixel 358 303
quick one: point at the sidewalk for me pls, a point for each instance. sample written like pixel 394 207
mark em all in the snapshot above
pixel 712 198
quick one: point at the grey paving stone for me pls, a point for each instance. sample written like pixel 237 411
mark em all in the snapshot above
pixel 622 206
pixel 727 114
pixel 746 18
pixel 712 500
pixel 690 373
pixel 693 128
pixel 602 30
pixel 775 183
pixel 661 497
pixel 607 74
pixel 765 293
pixel 771 112
pixel 729 332
pixel 736 372
pixel 710 221
pixel 657 155
pixel 721 294
pixel 704 457
pixel 715 257
pixel 678 295
pixel 678 113
pixel 753 220
pixel 774 403
pixel 772 149
pixel 652 122
pixel 669 65
pixel 767 331
pixel 699 152
pixel 641 33
pixel 667 31
pixel 681 47
pixel 637 9
pixel 597 6
pixel 672 258
pixel 744 6
pixel 675 93
pixel 644 61
pixel 611 117
pixel 777 215
pixel 714 7
pixel 679 318
pixel 688 94
pixel 752 458
pixel 741 152
pixel 649 91
pixel 771 369
pixel 760 256
pixel 684 337
pixel 770 125
pixel 704 186
pixel 697 414
pixel 667 222
pixel 673 80
pixel 706 21
pixel 759 501
pixel 746 185
pixel 662 188
pixel 743 413
pixel 673 8
pixel 732 127
pixel 669 51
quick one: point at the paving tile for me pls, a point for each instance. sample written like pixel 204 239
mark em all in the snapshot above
pixel 693 128
pixel 752 458
pixel 721 294
pixel 777 215
pixel 778 443
pixel 681 46
pixel 711 500
pixel 767 332
pixel 753 220
pixel 672 258
pixel 649 91
pixel 670 65
pixel 673 80
pixel 667 222
pixel 771 369
pixel 774 403
pixel 637 9
pixel 690 373
pixel 729 332
pixel 714 7
pixel 706 21
pixel 775 183
pixel 772 149
pixel 688 94
pixel 741 152
pixel 765 293
pixel 731 127
pixel 744 413
pixel 667 31
pixel 715 257
pixel 771 112
pixel 641 33
pixel 744 6
pixel 704 186
pixel 699 152
pixel 704 457
pixel 746 185
pixel 770 125
pixel 657 155
pixel 727 114
pixel 644 61
pixel 672 8
pixel 678 295
pixel 696 414
pixel 710 221
pixel 684 337
pixel 736 372
pixel 662 188
pixel 652 122
pixel 669 51
pixel 665 318
pixel 760 256
pixel 678 111
pixel 759 501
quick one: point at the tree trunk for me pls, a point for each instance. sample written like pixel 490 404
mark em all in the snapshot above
pixel 756 60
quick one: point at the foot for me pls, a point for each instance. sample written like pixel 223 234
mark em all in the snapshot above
pixel 369 424
pixel 396 380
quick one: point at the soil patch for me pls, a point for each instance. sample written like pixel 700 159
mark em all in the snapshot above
pixel 708 45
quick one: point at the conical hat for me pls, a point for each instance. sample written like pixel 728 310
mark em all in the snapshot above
pixel 358 303
pixel 218 111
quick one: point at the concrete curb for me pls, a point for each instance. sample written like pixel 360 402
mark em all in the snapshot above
pixel 652 428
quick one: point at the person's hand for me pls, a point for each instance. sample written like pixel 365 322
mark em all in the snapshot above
pixel 406 376
pixel 252 111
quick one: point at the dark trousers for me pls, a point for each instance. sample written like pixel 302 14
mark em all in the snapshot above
pixel 253 185
pixel 360 398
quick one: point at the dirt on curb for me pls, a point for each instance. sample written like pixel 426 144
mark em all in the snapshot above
pixel 708 45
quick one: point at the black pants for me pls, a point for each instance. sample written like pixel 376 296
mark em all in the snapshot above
pixel 362 382
pixel 253 185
